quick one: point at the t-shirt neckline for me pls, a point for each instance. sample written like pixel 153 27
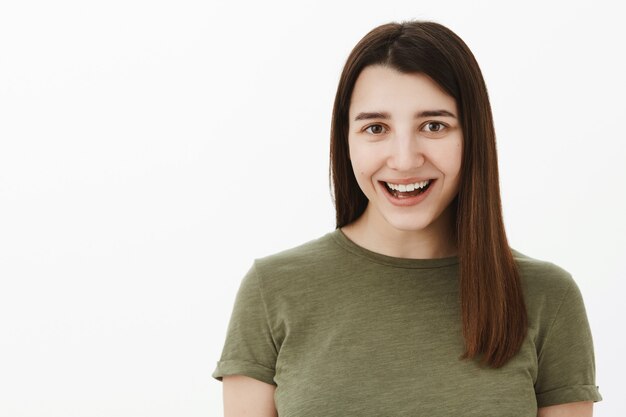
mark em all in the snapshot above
pixel 340 238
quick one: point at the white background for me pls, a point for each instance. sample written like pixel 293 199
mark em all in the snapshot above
pixel 150 150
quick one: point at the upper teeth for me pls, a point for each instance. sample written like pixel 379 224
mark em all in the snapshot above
pixel 408 187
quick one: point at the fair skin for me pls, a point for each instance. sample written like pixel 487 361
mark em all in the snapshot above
pixel 404 144
pixel 249 397
pixel 577 409
pixel 403 128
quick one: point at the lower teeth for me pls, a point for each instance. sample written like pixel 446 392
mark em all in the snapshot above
pixel 401 194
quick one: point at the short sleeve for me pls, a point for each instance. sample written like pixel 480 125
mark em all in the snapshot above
pixel 566 363
pixel 249 348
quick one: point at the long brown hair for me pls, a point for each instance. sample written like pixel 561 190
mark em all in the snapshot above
pixel 493 313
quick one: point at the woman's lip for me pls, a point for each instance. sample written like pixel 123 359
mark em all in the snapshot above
pixel 408 201
pixel 408 181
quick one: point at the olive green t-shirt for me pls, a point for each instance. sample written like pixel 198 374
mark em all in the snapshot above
pixel 344 331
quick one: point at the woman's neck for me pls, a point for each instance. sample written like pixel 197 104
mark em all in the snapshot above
pixel 435 241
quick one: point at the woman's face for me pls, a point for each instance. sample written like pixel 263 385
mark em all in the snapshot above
pixel 404 133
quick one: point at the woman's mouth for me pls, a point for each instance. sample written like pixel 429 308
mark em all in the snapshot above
pixel 401 191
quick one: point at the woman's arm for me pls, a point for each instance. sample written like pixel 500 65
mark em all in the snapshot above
pixel 249 397
pixel 577 409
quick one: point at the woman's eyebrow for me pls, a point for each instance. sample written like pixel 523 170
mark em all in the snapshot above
pixel 385 115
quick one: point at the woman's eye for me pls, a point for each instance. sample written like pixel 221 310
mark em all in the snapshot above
pixel 376 129
pixel 438 127
pixel 432 127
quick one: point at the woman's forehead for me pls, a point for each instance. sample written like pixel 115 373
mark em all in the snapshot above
pixel 384 89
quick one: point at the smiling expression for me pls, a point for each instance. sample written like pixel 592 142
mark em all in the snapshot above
pixel 404 133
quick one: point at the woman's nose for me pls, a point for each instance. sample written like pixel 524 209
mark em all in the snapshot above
pixel 405 153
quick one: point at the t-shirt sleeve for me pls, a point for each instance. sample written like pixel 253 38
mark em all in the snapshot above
pixel 249 348
pixel 566 363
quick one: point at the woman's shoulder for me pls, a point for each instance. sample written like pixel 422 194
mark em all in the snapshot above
pixel 544 282
pixel 309 254
pixel 540 271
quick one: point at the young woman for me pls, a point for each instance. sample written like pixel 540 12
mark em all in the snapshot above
pixel 415 304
